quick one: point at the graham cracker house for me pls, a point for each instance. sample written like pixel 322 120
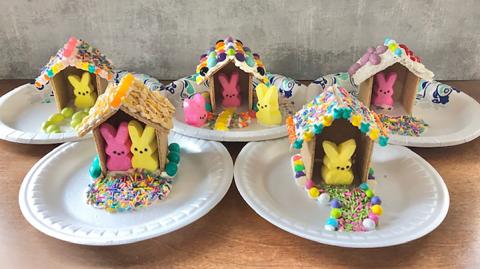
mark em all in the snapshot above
pixel 131 101
pixel 335 116
pixel 227 57
pixel 76 57
pixel 388 75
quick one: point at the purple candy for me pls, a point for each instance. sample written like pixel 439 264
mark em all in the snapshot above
pixel 370 50
pixel 335 203
pixel 229 39
pixel 221 57
pixel 246 49
pixel 240 56
pixel 203 56
pixel 299 174
pixel 381 49
pixel 364 59
pixel 376 200
pixel 374 59
pixel 255 55
pixel 353 69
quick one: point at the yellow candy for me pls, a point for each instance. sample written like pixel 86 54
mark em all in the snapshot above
pixel 144 146
pixel 268 109
pixel 374 133
pixel 307 136
pixel 122 90
pixel 85 96
pixel 356 120
pixel 327 120
pixel 199 79
pixel 298 162
pixel 377 210
pixel 313 192
pixel 392 47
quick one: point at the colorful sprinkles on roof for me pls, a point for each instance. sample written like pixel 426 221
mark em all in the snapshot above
pixel 79 54
pixel 385 55
pixel 334 103
pixel 230 50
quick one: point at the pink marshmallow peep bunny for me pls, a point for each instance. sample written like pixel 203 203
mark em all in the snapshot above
pixel 383 92
pixel 118 145
pixel 230 90
pixel 194 110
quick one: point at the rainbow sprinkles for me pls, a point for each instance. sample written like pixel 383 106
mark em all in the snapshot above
pixel 79 54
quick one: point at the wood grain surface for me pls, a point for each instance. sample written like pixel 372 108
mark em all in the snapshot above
pixel 233 235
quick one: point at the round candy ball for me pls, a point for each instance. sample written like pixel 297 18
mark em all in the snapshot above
pixel 94 171
pixel 173 157
pixel 313 193
pixel 174 147
pixel 373 217
pixel 364 186
pixel 369 193
pixel 78 116
pixel 368 224
pixel 56 118
pixel 333 222
pixel 67 112
pixel 329 228
pixel 309 184
pixel 45 125
pixel 323 198
pixel 53 129
pixel 335 203
pixel 336 213
pixel 171 169
pixel 376 200
pixel 377 210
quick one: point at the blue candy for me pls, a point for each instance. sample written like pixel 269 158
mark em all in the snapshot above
pixel 364 186
pixel 333 222
pixel 335 203
pixel 376 200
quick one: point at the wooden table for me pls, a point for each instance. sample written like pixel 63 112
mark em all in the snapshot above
pixel 233 235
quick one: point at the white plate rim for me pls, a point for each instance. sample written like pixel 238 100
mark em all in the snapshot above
pixel 17 136
pixel 42 227
pixel 267 215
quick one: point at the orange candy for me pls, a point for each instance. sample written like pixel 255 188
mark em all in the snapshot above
pixel 122 90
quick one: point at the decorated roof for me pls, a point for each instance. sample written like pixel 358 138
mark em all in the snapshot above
pixel 385 55
pixel 225 51
pixel 334 103
pixel 79 54
pixel 133 97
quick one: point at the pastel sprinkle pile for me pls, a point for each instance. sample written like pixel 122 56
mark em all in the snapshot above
pixel 127 192
pixel 238 120
pixel 404 125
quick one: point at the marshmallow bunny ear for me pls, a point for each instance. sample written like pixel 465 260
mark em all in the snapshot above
pixel 272 96
pixel 85 78
pixel 391 78
pixel 330 149
pixel 261 90
pixel 74 80
pixel 380 77
pixel 347 149
pixel 135 130
pixel 122 132
pixel 148 134
pixel 234 77
pixel 199 100
pixel 108 132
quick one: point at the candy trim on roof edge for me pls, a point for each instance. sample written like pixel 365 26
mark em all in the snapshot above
pixel 229 50
pixel 383 56
pixel 334 103
pixel 77 53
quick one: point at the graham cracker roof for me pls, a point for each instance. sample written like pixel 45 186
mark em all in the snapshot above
pixel 79 54
pixel 378 59
pixel 135 99
pixel 225 51
pixel 334 103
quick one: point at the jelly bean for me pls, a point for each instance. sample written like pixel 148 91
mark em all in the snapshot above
pixel 78 116
pixel 67 112
pixel 335 203
pixel 174 147
pixel 221 57
pixel 52 129
pixel 94 171
pixel 171 169
pixel 368 224
pixel 324 198
pixel 371 171
pixel 377 210
pixel 332 221
pixel 45 125
pixel 240 57
pixel 230 52
pixel 336 213
pixel 364 186
pixel 75 123
pixel 369 193
pixel 313 193
pixel 381 49
pixel 374 59
pixel 56 118
pixel 96 161
pixel 297 157
pixel 373 217
pixel 212 60
pixel 173 157
pixel 376 200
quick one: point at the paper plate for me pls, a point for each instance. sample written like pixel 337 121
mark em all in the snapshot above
pixel 23 110
pixel 291 92
pixel 415 198
pixel 450 114
pixel 52 195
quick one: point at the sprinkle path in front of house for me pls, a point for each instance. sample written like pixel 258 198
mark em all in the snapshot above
pixel 404 125
pixel 352 209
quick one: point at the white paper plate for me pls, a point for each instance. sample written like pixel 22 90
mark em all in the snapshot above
pixel 177 91
pixel 22 112
pixel 451 124
pixel 52 195
pixel 415 198
pixel 452 115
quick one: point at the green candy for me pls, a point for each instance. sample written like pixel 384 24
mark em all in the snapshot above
pixel 75 122
pixel 173 157
pixel 45 125
pixel 336 213
pixel 171 169
pixel 53 129
pixel 86 110
pixel 230 52
pixel 299 167
pixel 94 171
pixel 371 171
pixel 174 147
pixel 56 118
pixel 369 193
pixel 79 115
pixel 67 112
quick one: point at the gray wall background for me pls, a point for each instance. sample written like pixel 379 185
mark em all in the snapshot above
pixel 302 39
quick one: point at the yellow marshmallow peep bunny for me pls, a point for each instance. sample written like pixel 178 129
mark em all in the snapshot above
pixel 268 110
pixel 144 146
pixel 337 163
pixel 85 96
